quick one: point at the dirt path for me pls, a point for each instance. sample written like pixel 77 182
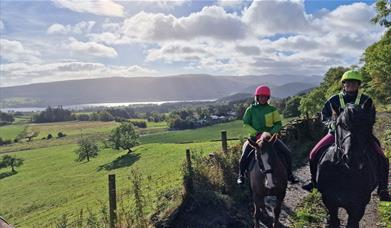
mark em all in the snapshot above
pixel 295 195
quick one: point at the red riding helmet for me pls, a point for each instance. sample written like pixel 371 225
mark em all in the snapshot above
pixel 262 90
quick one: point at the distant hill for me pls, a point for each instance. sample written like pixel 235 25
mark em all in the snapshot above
pixel 235 97
pixel 142 89
pixel 285 90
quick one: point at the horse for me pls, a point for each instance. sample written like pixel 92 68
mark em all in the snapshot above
pixel 268 177
pixel 346 170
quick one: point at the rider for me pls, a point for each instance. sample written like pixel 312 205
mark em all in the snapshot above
pixel 262 117
pixel 351 81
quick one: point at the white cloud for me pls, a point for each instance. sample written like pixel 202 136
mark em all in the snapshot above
pixel 92 48
pixel 297 43
pixel 108 38
pixel 267 37
pixel 271 17
pixel 83 27
pixel 231 4
pixel 180 52
pixel 212 22
pixel 110 26
pixel 79 28
pixel 14 51
pixel 22 73
pixel 350 18
pixel 98 7
pixel 314 44
pixel 58 29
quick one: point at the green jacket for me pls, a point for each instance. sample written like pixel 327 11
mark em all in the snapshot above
pixel 260 118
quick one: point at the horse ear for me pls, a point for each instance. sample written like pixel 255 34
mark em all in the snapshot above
pixel 333 112
pixel 363 105
pixel 273 138
pixel 252 143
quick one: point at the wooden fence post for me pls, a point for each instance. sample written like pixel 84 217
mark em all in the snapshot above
pixel 112 201
pixel 189 181
pixel 224 141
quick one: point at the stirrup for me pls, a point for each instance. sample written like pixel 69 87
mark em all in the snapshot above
pixel 293 180
pixel 308 186
pixel 240 180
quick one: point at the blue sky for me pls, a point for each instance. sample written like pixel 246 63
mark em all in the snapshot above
pixel 44 41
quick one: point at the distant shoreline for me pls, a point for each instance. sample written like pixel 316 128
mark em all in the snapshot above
pixel 78 107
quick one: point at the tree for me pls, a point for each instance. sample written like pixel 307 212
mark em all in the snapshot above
pixel 312 103
pixel 53 115
pixel 6 118
pixel 11 161
pixel 383 8
pixel 31 135
pixel 87 149
pixel 292 107
pixel 377 59
pixel 124 136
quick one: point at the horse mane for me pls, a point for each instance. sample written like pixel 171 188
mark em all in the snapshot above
pixel 266 137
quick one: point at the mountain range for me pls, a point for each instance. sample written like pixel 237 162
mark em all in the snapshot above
pixel 144 89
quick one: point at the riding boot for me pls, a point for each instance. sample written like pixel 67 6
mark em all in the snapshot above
pixel 309 185
pixel 286 153
pixel 383 172
pixel 243 162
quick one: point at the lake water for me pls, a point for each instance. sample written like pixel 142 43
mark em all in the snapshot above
pixel 83 106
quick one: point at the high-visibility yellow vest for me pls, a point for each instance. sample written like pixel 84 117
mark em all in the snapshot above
pixel 342 102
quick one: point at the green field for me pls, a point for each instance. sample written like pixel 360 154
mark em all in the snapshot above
pixel 234 130
pixel 72 128
pixel 11 131
pixel 51 183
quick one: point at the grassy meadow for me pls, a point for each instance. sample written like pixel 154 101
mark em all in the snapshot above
pixel 11 131
pixel 51 183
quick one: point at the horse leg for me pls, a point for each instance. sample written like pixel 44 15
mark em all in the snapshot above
pixel 355 215
pixel 257 211
pixel 277 209
pixel 333 221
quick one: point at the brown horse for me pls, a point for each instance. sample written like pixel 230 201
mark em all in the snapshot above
pixel 268 177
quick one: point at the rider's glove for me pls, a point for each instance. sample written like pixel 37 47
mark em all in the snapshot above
pixel 331 126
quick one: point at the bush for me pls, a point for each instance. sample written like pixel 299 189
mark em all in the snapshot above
pixel 140 124
pixel 53 115
pixel 60 135
pixel 83 117
pixel 105 116
pixel 49 136
pixel 5 141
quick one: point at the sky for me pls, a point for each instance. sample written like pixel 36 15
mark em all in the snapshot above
pixel 44 41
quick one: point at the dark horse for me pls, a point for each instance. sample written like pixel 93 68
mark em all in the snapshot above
pixel 268 177
pixel 346 173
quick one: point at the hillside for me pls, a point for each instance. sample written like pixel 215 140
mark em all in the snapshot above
pixel 119 89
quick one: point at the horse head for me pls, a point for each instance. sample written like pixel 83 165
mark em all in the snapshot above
pixel 265 140
pixel 353 133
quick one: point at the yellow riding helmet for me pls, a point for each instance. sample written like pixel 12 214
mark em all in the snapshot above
pixel 352 75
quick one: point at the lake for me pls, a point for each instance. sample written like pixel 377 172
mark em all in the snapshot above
pixel 77 107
